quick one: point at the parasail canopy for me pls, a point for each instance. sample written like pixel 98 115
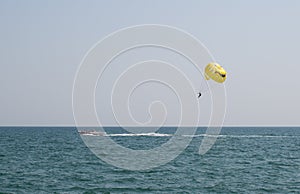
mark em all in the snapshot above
pixel 215 72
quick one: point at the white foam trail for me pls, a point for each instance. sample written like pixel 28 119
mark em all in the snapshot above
pixel 198 135
pixel 140 134
pixel 129 134
pixel 247 136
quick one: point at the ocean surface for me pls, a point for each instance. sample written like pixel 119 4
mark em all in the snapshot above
pixel 243 160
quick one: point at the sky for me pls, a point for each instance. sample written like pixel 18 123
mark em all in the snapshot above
pixel 43 43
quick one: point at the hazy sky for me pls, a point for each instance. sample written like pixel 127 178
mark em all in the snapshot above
pixel 43 42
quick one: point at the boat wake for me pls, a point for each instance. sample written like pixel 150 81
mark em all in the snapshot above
pixel 96 133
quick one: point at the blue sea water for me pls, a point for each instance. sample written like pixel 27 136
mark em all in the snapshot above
pixel 243 160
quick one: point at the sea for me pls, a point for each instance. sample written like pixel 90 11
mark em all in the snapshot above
pixel 242 160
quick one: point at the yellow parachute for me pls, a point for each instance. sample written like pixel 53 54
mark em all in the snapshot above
pixel 215 72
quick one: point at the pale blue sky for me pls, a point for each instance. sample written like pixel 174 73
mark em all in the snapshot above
pixel 43 42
